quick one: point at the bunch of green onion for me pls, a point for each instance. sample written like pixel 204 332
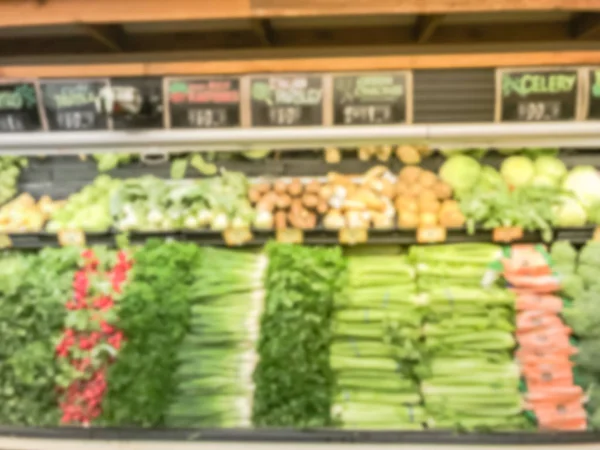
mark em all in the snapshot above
pixel 217 356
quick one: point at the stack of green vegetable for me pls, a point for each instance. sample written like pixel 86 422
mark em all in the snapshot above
pixel 580 280
pixel 217 356
pixel 10 169
pixel 377 327
pixel 293 378
pixel 534 192
pixel 469 379
pixel 150 204
pixel 154 314
pixel 33 291
pixel 88 209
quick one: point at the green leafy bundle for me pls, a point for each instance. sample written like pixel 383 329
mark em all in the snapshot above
pixel 580 284
pixel 376 328
pixel 217 356
pixel 293 378
pixel 469 380
pixel 33 292
pixel 154 315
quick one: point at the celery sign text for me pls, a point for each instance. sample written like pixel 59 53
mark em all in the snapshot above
pixel 528 84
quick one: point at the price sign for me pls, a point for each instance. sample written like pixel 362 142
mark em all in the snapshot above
pixel 594 94
pixel 286 101
pixel 71 105
pixel 204 102
pixel 71 238
pixel 237 236
pixel 537 95
pixel 19 107
pixel 369 99
pixel 507 234
pixel 290 236
pixel 353 236
pixel 150 115
pixel 5 241
pixel 430 235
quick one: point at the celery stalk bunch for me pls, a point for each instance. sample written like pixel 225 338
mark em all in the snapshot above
pixel 217 356
pixel 469 378
pixel 376 329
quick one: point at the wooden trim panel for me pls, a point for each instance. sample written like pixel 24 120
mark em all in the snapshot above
pixel 21 13
pixel 325 64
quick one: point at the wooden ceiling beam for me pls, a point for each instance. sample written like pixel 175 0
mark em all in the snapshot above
pixel 323 64
pixel 60 12
pixel 102 39
pixel 264 31
pixel 425 26
pixel 585 25
pixel 112 37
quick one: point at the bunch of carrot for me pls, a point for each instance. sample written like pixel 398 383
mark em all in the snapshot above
pixel 544 348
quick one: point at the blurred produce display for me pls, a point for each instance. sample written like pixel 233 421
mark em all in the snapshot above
pixel 10 169
pixel 151 204
pixel 24 214
pixel 88 209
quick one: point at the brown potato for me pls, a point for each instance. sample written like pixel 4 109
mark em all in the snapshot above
pixel 427 196
pixel 388 190
pixel 254 195
pixel 326 192
pixel 295 187
pixel 333 155
pixel 401 188
pixel 452 219
pixel 322 206
pixel 427 178
pixel 383 152
pixel 280 187
pixel 408 220
pixel 408 154
pixel 429 207
pixel 283 201
pixel 409 174
pixel 267 203
pixel 428 219
pixel 414 190
pixel 310 200
pixel 296 207
pixel 263 187
pixel 280 220
pixel 406 204
pixel 450 205
pixel 313 187
pixel 442 190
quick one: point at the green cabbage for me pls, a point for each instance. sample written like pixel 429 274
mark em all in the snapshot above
pixel 461 172
pixel 584 182
pixel 570 214
pixel 517 170
pixel 550 167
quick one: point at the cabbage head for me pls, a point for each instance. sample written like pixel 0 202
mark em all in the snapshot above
pixel 517 171
pixel 584 182
pixel 461 172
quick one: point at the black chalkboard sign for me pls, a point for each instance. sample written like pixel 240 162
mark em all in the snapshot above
pixel 204 102
pixel 537 95
pixel 151 113
pixel 286 101
pixel 594 94
pixel 370 99
pixel 70 105
pixel 19 109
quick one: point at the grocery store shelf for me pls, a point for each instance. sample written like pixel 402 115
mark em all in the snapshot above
pixel 281 437
pixel 557 134
pixel 34 241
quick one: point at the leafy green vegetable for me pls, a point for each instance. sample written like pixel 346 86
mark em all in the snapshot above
pixel 294 379
pixel 460 172
pixel 33 291
pixel 154 314
pixel 10 169
pixel 110 161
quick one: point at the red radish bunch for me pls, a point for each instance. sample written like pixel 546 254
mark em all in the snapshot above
pixel 90 345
